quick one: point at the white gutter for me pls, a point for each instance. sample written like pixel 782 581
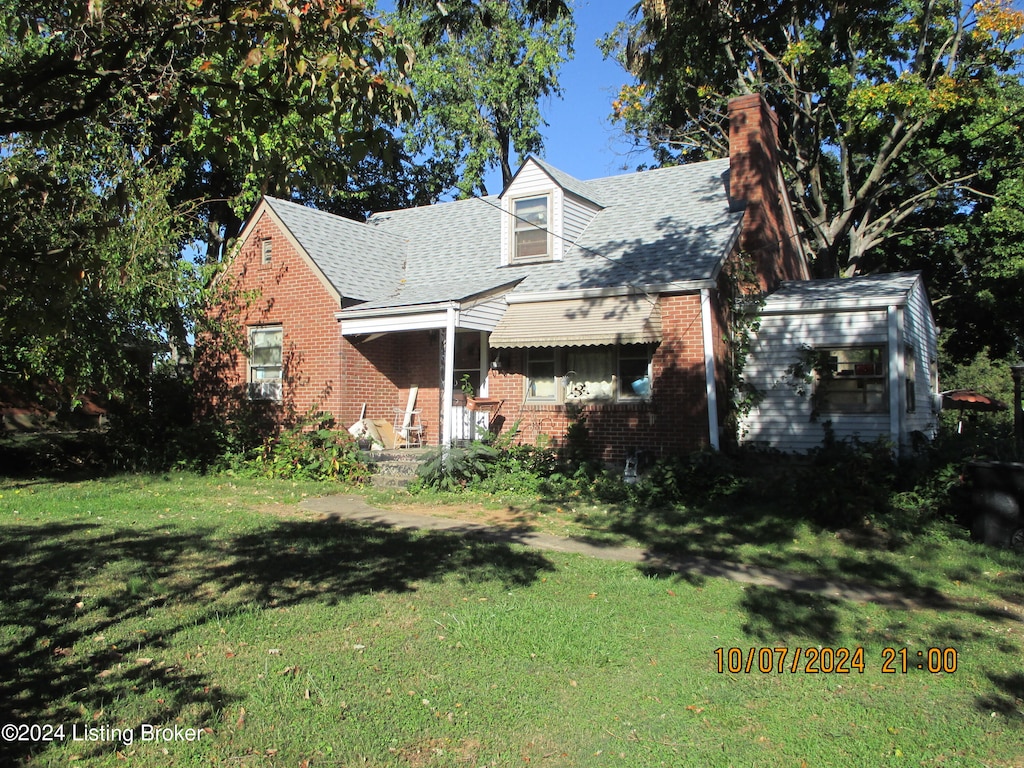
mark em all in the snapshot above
pixel 709 366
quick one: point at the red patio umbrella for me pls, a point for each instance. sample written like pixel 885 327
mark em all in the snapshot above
pixel 970 400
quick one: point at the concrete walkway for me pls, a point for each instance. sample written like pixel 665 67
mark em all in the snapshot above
pixel 352 507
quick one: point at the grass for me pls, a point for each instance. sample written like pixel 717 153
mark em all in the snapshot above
pixel 288 639
pixel 934 562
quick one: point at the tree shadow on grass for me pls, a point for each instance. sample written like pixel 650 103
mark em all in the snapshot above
pixel 89 612
pixel 775 616
pixel 1008 701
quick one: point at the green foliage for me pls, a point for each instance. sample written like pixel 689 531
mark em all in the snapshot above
pixel 449 469
pixel 313 449
pixel 93 283
pixel 744 301
pixel 482 69
pixel 898 130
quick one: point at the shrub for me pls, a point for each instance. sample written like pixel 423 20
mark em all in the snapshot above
pixel 312 450
pixel 453 468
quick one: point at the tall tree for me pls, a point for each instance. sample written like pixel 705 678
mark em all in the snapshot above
pixel 887 107
pixel 482 69
pixel 241 94
pixel 129 128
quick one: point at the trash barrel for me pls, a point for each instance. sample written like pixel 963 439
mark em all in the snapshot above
pixel 995 494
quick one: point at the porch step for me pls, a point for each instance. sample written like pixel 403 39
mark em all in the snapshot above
pixel 396 468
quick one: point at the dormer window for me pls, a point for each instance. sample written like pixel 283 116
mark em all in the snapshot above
pixel 531 239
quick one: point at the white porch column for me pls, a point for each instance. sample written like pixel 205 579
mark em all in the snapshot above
pixel 707 326
pixel 447 389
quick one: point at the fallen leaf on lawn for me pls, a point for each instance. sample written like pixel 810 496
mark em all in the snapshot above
pixel 673 594
pixel 240 723
pixel 592 595
pixel 143 661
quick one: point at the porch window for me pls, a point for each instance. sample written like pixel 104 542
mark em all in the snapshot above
pixel 265 345
pixel 851 380
pixel 531 240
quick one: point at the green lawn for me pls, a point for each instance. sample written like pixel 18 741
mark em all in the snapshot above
pixel 283 639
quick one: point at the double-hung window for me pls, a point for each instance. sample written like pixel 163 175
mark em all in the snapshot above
pixel 265 344
pixel 531 238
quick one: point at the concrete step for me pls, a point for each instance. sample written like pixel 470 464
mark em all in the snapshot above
pixel 396 468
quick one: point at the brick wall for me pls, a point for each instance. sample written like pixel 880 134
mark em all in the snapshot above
pixel 674 421
pixel 379 374
pixel 286 292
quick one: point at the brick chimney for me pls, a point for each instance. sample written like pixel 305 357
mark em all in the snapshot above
pixel 755 185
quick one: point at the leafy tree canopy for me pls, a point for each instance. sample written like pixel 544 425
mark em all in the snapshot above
pixel 482 69
pixel 898 125
pixel 130 128
pixel 865 92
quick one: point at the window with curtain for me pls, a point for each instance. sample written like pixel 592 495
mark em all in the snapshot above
pixel 265 345
pixel 608 373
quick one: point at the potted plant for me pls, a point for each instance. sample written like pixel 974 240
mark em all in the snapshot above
pixel 464 394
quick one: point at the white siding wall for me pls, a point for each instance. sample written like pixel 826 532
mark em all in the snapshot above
pixel 483 316
pixel 783 419
pixel 530 181
pixel 570 215
pixel 578 214
pixel 920 334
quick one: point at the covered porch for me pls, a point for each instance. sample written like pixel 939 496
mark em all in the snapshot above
pixel 430 356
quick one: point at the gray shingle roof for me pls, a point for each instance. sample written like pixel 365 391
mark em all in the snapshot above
pixel 663 226
pixel 863 292
pixel 570 183
pixel 360 263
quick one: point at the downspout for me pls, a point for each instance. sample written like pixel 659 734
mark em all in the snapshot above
pixel 709 366
pixel 895 369
pixel 447 390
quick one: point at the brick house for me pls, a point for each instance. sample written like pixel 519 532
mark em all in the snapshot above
pixel 557 300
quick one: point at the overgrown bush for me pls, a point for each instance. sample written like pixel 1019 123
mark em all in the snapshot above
pixel 312 450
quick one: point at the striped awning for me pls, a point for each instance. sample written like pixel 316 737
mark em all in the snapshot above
pixel 580 322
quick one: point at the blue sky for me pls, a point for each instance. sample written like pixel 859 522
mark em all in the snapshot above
pixel 580 138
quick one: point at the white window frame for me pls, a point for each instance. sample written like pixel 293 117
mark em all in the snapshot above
pixel 266 250
pixel 854 373
pixel 544 356
pixel 568 391
pixel 260 385
pixel 521 225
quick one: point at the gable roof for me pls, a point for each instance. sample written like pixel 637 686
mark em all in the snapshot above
pixel 861 292
pixel 568 183
pixel 360 263
pixel 663 229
